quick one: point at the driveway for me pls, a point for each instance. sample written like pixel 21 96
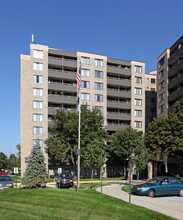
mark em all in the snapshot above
pixel 171 206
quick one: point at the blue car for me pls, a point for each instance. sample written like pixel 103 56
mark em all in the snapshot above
pixel 159 186
pixel 6 182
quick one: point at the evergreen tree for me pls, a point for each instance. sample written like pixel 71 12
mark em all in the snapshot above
pixel 35 174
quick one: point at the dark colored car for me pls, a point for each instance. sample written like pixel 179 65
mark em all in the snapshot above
pixel 6 182
pixel 64 180
pixel 159 186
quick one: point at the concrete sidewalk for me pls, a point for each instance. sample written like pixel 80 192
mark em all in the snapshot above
pixel 171 206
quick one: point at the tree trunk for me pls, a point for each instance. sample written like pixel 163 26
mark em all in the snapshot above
pixel 92 176
pixel 150 170
pixel 138 176
pixel 165 163
pixel 72 159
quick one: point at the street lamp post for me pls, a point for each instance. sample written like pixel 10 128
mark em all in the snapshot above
pixel 130 166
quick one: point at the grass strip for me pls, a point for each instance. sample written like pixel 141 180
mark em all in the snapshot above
pixel 52 203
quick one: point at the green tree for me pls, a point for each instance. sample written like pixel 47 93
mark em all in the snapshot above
pixel 12 161
pixel 18 147
pixel 64 136
pixel 3 161
pixel 124 142
pixel 64 133
pixel 178 107
pixel 165 135
pixel 94 154
pixel 35 174
pixel 156 136
pixel 140 155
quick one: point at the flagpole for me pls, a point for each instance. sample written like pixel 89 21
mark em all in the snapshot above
pixel 78 79
pixel 78 170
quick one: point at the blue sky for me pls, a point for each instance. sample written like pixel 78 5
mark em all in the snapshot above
pixel 130 30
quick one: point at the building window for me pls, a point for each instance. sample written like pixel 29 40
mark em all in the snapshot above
pixel 85 84
pixel 37 79
pixel 38 141
pixel 153 81
pixel 138 102
pixel 38 66
pixel 85 72
pixel 38 104
pixel 98 98
pixel 162 73
pixel 138 79
pixel 85 96
pixel 37 92
pixel 98 74
pixel 138 91
pixel 37 117
pixel 162 108
pixel 138 69
pixel 161 62
pixel 50 118
pixel 137 124
pixel 99 86
pixel 85 60
pixel 153 100
pixel 162 96
pixel 100 108
pixel 138 113
pixel 162 84
pixel 37 130
pixel 98 62
pixel 38 53
pixel 152 89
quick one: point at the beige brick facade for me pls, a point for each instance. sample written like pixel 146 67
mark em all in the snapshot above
pixel 27 98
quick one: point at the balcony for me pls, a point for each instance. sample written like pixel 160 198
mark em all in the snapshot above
pixel 175 56
pixel 118 116
pixel 118 104
pixel 60 99
pixel 53 111
pixel 111 127
pixel 176 81
pixel 118 93
pixel 175 69
pixel 56 61
pixel 62 87
pixel 117 81
pixel 175 95
pixel 59 74
pixel 121 71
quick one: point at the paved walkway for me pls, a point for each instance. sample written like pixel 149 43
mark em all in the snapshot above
pixel 171 206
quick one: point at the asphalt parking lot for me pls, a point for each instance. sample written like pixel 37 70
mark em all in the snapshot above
pixel 171 206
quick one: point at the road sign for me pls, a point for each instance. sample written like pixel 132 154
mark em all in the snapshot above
pixel 15 170
pixel 59 170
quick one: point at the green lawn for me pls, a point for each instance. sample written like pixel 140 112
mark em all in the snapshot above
pixel 126 188
pixel 52 203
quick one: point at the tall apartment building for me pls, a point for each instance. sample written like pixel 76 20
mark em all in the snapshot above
pixel 48 82
pixel 150 96
pixel 170 78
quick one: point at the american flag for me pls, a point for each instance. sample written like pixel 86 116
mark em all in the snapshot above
pixel 78 78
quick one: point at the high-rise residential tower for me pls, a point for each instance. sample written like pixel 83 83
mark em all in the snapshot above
pixel 48 82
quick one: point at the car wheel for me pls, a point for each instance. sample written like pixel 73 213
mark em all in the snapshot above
pixel 181 192
pixel 151 193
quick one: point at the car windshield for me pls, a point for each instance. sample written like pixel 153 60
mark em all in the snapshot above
pixel 5 178
pixel 153 181
pixel 65 175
